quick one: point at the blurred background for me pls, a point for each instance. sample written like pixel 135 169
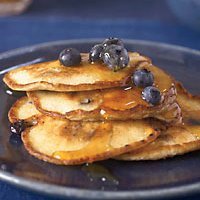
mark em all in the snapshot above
pixel 27 22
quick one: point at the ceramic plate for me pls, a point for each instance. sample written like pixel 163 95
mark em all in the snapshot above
pixel 108 179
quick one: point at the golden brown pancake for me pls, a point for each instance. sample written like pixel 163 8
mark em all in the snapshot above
pixel 69 143
pixel 66 142
pixel 22 109
pixel 56 77
pixel 176 140
pixel 190 104
pixel 111 104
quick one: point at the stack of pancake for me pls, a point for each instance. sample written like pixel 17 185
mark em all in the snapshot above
pixel 86 113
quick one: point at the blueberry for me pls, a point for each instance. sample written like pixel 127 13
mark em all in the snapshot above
pixel 15 140
pixel 115 57
pixel 18 127
pixel 70 57
pixel 95 53
pixel 112 40
pixel 151 95
pixel 142 78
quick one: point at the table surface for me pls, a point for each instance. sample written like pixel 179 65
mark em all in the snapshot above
pixel 46 21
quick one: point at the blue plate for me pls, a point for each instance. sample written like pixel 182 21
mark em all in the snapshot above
pixel 108 179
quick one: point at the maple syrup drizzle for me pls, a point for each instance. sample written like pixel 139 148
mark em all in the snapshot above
pixel 122 99
pixel 96 172
pixel 100 142
pixel 131 96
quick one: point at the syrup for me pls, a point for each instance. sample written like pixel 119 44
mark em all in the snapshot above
pixel 122 99
pixel 97 172
pixel 129 97
pixel 99 142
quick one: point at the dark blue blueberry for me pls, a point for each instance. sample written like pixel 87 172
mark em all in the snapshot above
pixel 17 127
pixel 142 78
pixel 15 140
pixel 115 57
pixel 151 95
pixel 112 40
pixel 70 57
pixel 95 53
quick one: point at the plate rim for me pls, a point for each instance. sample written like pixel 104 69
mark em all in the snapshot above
pixel 61 191
pixel 70 192
pixel 20 50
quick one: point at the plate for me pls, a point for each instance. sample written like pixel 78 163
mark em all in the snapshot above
pixel 109 179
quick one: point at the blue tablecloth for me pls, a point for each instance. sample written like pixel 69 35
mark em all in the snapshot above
pixel 70 19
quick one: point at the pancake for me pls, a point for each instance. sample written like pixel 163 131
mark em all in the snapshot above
pixel 56 77
pixel 69 143
pixel 22 109
pixel 190 104
pixel 66 142
pixel 176 140
pixel 110 104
